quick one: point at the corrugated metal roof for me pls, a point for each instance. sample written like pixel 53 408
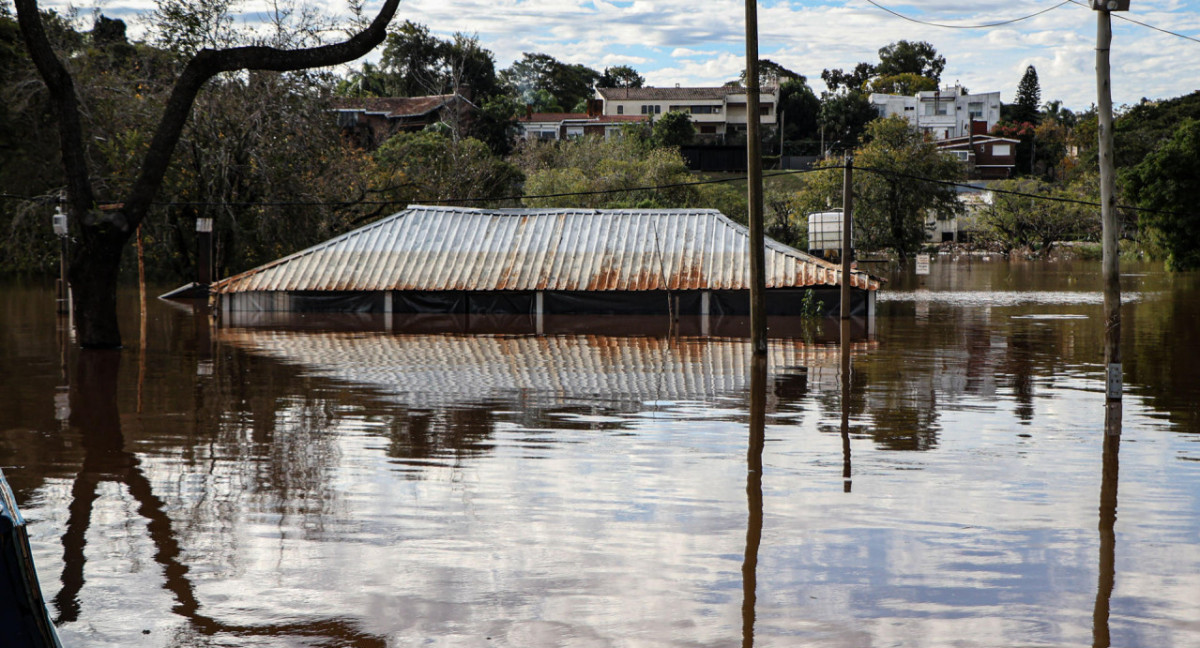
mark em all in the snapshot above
pixel 457 248
pixel 440 370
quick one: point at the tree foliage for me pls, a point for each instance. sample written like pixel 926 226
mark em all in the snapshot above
pixel 620 76
pixel 101 234
pixel 428 166
pixel 907 57
pixel 1167 182
pixel 845 116
pixel 1029 98
pixel 855 80
pixel 622 166
pixel 569 84
pixel 800 113
pixel 417 63
pixel 891 199
pixel 674 129
pixel 1021 221
pixel 903 83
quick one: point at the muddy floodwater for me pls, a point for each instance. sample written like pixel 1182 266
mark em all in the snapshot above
pixel 355 481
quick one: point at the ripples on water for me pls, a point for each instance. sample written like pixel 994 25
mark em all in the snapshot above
pixel 366 488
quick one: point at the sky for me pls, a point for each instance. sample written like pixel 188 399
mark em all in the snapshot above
pixel 703 43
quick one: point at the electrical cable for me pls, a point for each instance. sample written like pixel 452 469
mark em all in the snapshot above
pixel 982 26
pixel 451 201
pixel 1121 15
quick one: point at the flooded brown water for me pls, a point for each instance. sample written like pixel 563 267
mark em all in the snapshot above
pixel 328 481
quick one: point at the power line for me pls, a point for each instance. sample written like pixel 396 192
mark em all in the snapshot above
pixel 981 26
pixel 599 192
pixel 1121 15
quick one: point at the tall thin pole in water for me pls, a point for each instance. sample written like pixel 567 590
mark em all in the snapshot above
pixel 1108 213
pixel 847 224
pixel 758 283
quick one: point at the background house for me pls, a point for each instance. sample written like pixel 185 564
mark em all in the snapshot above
pixel 943 114
pixel 716 112
pixel 369 121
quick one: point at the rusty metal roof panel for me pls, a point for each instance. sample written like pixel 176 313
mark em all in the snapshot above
pixel 455 248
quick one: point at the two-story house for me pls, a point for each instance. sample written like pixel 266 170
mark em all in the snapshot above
pixel 715 112
pixel 943 114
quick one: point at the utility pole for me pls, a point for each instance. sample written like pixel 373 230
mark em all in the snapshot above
pixel 1108 212
pixel 758 281
pixel 847 224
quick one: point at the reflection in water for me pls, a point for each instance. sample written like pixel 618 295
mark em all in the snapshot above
pixel 1108 519
pixel 96 419
pixel 361 488
pixel 845 403
pixel 754 494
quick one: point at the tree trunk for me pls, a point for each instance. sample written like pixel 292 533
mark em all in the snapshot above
pixel 93 270
pixel 96 259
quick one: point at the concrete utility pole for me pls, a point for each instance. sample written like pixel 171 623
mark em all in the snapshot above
pixel 758 281
pixel 1108 213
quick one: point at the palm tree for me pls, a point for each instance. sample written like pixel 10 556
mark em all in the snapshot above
pixel 1055 111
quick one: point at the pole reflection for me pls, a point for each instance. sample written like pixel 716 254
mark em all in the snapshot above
pixel 754 495
pixel 95 418
pixel 845 371
pixel 1108 519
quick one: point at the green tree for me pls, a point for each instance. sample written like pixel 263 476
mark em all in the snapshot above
pixel 1029 97
pixel 1036 222
pixel 800 112
pixel 101 235
pixel 904 83
pixel 907 57
pixel 844 118
pixel 674 129
pixel 626 168
pixel 569 84
pixel 895 189
pixel 428 166
pixel 1167 183
pixel 855 80
pixel 771 73
pixel 620 76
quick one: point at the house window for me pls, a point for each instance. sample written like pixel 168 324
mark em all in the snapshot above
pixel 620 109
pixel 648 109
pixel 1001 150
pixel 975 109
pixel 937 108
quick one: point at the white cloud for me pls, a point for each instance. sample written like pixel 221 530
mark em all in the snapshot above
pixel 670 41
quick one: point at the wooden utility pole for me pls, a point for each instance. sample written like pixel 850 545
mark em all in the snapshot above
pixel 1108 212
pixel 758 281
pixel 847 224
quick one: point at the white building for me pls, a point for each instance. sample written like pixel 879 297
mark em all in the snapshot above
pixel 943 114
pixel 714 111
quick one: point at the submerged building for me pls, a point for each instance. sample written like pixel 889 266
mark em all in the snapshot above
pixel 691 262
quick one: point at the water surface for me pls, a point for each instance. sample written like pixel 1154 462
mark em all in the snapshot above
pixel 329 481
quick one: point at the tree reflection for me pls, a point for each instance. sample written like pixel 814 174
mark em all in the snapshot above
pixel 95 418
